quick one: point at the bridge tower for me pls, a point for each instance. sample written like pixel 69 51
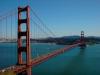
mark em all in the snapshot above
pixel 82 40
pixel 82 36
pixel 25 34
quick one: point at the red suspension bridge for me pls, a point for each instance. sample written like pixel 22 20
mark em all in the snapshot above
pixel 25 22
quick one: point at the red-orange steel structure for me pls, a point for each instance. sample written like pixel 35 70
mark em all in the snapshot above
pixel 82 40
pixel 82 35
pixel 25 34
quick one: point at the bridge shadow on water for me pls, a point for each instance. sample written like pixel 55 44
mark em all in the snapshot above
pixel 76 64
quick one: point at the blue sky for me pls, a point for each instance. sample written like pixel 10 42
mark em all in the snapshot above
pixel 63 17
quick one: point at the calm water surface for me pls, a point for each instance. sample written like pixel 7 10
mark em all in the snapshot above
pixel 73 62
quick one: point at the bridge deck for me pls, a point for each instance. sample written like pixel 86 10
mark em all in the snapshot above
pixel 39 59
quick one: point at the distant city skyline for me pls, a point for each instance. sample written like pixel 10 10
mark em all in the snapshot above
pixel 63 17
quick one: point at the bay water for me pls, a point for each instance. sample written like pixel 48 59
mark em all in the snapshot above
pixel 74 62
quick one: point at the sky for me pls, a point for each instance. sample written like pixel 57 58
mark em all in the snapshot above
pixel 63 17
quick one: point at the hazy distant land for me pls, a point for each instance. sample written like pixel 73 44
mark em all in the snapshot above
pixel 66 40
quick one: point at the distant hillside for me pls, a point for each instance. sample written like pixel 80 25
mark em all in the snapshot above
pixel 60 40
pixel 68 40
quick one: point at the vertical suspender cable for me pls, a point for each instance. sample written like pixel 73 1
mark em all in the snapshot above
pixel 11 34
pixel 11 27
pixel 14 34
pixel 6 30
pixel 1 30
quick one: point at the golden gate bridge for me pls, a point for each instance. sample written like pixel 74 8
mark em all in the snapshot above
pixel 25 21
